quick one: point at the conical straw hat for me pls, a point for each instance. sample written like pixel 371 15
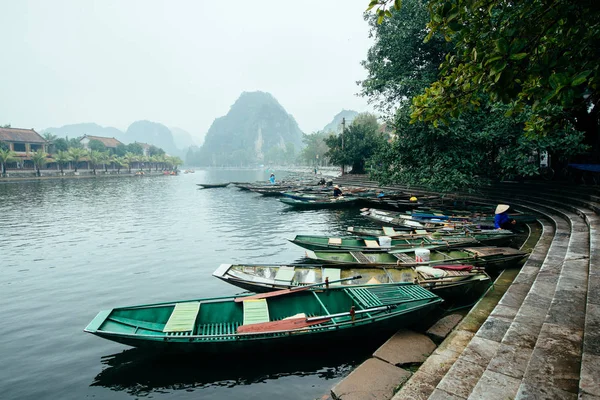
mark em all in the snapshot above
pixel 501 208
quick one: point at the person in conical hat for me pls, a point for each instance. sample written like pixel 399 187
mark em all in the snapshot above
pixel 337 191
pixel 501 219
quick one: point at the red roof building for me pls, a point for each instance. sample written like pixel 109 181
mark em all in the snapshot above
pixel 110 143
pixel 22 141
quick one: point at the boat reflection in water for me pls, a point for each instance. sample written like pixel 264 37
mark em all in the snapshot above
pixel 140 373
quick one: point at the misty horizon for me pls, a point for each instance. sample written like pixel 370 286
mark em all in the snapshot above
pixel 181 64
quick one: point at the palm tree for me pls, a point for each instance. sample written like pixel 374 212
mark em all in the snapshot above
pixel 50 138
pixel 62 158
pixel 76 155
pixel 119 162
pixel 160 159
pixel 176 161
pixel 95 157
pixel 6 156
pixel 106 159
pixel 39 158
pixel 129 159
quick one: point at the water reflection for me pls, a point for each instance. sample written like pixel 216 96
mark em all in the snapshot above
pixel 140 374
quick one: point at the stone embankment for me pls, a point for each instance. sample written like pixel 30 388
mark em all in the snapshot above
pixel 540 337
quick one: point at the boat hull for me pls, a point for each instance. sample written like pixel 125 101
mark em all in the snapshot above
pixel 291 342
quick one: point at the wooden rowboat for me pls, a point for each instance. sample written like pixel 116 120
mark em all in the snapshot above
pixel 447 283
pixel 374 244
pixel 490 258
pixel 335 202
pixel 495 237
pixel 282 323
pixel 212 185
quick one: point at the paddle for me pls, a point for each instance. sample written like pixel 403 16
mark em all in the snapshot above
pixel 303 322
pixel 292 290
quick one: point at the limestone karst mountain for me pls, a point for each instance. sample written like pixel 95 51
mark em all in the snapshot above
pixel 256 130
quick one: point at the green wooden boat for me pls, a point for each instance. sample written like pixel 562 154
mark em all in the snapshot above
pixel 334 202
pixel 375 244
pixel 275 322
pixel 492 237
pixel 447 283
pixel 490 258
pixel 407 222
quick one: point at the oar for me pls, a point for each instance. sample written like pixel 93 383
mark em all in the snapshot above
pixel 292 290
pixel 303 322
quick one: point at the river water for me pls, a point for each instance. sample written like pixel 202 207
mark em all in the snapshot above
pixel 69 248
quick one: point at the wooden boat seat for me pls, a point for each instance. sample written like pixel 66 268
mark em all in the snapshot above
pixel 420 231
pixel 405 258
pixel 183 317
pixel 372 244
pixel 285 274
pixel 256 311
pixel 334 274
pixel 486 251
pixel 360 257
pixel 389 231
pixel 337 241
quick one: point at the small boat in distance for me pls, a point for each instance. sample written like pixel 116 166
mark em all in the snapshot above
pixel 285 321
pixel 212 185
pixel 334 202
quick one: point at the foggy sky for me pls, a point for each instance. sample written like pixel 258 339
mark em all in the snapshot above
pixel 180 63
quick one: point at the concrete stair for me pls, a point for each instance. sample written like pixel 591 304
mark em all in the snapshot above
pixel 542 340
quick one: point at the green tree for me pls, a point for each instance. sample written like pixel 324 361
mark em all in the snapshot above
pixel 6 156
pixel 62 158
pixel 74 143
pixel 121 150
pixel 39 158
pixel 61 144
pixel 357 144
pixel 135 148
pixel 50 140
pixel 153 151
pixel 399 64
pixel 77 154
pixel 529 53
pixel 96 145
pixel 315 148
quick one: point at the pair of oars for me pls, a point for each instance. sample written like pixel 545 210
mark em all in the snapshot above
pixel 293 290
pixel 303 322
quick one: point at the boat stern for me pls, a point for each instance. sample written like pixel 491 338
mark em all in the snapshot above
pixel 311 254
pixel 222 271
pixel 97 322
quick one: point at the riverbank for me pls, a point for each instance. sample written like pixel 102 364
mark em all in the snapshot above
pixel 538 339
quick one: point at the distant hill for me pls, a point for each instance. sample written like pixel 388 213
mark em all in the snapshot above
pixel 140 131
pixel 183 139
pixel 336 123
pixel 78 130
pixel 153 133
pixel 257 129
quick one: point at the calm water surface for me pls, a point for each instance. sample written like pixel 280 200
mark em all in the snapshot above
pixel 69 248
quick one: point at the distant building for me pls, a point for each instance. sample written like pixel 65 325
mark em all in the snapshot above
pixel 110 143
pixel 22 141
